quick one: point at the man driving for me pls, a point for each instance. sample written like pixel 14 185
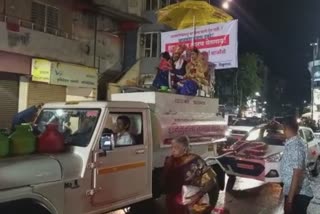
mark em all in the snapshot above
pixel 124 138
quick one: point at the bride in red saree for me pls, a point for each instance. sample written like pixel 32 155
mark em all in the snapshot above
pixel 185 169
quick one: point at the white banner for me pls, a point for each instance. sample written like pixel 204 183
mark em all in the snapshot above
pixel 219 40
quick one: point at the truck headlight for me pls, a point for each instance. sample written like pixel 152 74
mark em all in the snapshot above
pixel 274 158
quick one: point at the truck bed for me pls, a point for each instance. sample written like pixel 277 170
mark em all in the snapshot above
pixel 166 102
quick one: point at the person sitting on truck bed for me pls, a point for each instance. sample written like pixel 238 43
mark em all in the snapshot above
pixel 123 138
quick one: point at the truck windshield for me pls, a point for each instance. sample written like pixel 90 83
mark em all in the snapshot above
pixel 76 125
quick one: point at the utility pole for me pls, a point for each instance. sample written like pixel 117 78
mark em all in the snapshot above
pixel 315 55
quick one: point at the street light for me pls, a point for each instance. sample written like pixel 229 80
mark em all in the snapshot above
pixel 257 94
pixel 226 5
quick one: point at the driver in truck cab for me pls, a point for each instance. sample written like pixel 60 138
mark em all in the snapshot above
pixel 123 136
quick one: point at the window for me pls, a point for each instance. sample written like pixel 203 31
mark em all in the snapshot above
pixel 126 128
pixel 151 5
pixel 274 136
pixel 151 46
pixel 45 17
pixel 309 135
pixel 247 122
pixel 76 125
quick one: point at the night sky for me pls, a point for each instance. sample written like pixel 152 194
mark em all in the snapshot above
pixel 281 32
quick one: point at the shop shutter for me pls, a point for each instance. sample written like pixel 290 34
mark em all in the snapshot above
pixel 45 93
pixel 9 93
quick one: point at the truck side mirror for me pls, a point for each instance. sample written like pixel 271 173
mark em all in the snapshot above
pixel 107 142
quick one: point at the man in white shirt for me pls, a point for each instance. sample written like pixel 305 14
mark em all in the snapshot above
pixel 124 138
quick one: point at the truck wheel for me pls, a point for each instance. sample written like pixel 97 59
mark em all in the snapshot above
pixel 23 206
pixel 147 206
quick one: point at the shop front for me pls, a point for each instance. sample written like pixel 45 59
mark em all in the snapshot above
pixel 58 82
pixel 12 67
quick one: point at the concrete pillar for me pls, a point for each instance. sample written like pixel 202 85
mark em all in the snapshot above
pixel 23 93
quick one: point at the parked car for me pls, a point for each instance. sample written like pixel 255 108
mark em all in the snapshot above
pixel 259 153
pixel 241 127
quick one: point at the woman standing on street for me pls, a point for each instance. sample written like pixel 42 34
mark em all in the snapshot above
pixel 183 168
pixel 296 187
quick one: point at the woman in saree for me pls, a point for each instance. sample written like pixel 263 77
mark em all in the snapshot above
pixel 183 168
pixel 196 74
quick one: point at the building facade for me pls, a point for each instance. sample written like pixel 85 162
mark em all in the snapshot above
pixel 44 43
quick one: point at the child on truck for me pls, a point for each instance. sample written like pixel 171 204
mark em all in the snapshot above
pixel 164 68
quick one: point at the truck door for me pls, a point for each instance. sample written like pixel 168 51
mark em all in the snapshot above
pixel 123 175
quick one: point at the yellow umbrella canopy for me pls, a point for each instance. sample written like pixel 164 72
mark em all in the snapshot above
pixel 191 13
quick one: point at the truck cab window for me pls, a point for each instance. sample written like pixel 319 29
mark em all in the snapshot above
pixel 76 125
pixel 125 127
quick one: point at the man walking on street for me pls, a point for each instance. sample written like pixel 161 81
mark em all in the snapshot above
pixel 296 187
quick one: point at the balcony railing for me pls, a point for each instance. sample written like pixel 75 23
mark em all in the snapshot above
pixel 32 26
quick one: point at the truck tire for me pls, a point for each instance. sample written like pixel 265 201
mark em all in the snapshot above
pixel 147 206
pixel 22 207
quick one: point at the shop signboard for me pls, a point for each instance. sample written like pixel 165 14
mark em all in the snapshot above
pixel 41 70
pixel 220 41
pixel 74 75
pixel 64 74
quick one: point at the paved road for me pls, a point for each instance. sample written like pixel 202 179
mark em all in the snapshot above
pixel 248 196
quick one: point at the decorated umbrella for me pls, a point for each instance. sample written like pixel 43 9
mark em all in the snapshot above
pixel 191 13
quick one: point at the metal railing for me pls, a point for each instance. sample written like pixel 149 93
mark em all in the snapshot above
pixel 33 26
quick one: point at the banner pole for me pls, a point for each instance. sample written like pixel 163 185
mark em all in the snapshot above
pixel 194 30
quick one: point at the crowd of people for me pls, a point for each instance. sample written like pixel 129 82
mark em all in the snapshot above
pixel 300 175
pixel 186 71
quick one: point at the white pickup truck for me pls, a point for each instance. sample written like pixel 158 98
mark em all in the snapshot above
pixel 96 174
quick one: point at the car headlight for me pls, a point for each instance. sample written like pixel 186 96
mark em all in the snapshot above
pixel 274 158
pixel 227 133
